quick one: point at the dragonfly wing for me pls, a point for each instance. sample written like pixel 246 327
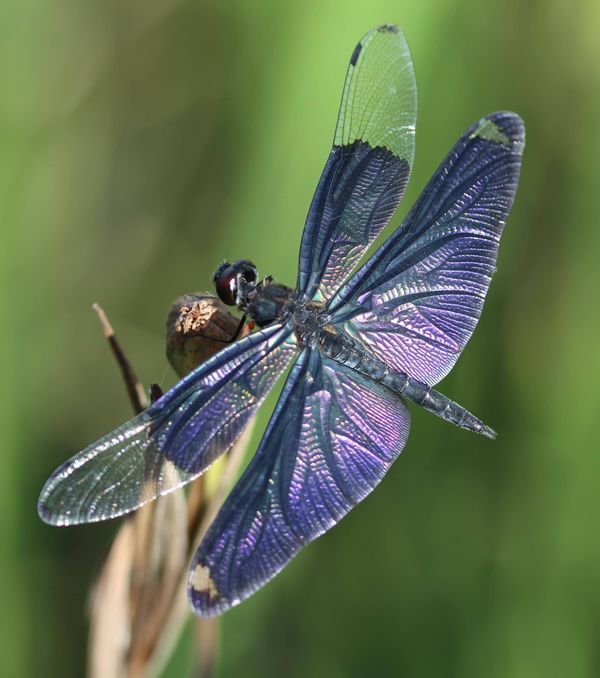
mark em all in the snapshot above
pixel 418 300
pixel 174 440
pixel 331 439
pixel 369 165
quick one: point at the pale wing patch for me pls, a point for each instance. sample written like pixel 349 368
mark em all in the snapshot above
pixel 201 581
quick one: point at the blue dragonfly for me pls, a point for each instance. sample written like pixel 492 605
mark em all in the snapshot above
pixel 360 344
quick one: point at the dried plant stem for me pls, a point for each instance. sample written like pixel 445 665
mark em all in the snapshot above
pixel 207 641
pixel 134 387
pixel 139 603
pixel 179 614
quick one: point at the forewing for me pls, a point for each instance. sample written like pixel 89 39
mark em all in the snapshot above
pixel 369 165
pixel 173 441
pixel 331 439
pixel 418 300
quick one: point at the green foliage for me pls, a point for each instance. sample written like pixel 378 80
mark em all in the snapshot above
pixel 141 143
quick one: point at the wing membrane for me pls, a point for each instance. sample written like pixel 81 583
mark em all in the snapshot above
pixel 172 442
pixel 418 300
pixel 369 165
pixel 331 439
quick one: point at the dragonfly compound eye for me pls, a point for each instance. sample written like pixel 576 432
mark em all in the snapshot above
pixel 226 284
pixel 229 276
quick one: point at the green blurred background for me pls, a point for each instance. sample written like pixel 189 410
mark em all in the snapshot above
pixel 141 142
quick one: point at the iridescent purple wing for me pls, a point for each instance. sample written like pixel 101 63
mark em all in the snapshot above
pixel 331 439
pixel 417 301
pixel 369 165
pixel 173 441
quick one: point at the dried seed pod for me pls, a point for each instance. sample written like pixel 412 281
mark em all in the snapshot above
pixel 198 325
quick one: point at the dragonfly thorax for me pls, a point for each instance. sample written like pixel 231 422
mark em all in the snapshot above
pixel 267 302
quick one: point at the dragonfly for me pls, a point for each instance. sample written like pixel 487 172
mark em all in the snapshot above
pixel 357 345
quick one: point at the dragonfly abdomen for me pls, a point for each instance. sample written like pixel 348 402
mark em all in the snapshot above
pixel 435 402
pixel 343 349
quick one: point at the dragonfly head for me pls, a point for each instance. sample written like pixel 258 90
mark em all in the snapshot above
pixel 234 281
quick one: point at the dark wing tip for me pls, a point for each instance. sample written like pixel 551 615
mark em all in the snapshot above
pixel 511 124
pixel 356 54
pixel 388 28
pixel 503 127
pixel 383 28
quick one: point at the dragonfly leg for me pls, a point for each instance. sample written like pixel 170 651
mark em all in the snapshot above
pixel 156 392
pixel 239 330
pixel 236 335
